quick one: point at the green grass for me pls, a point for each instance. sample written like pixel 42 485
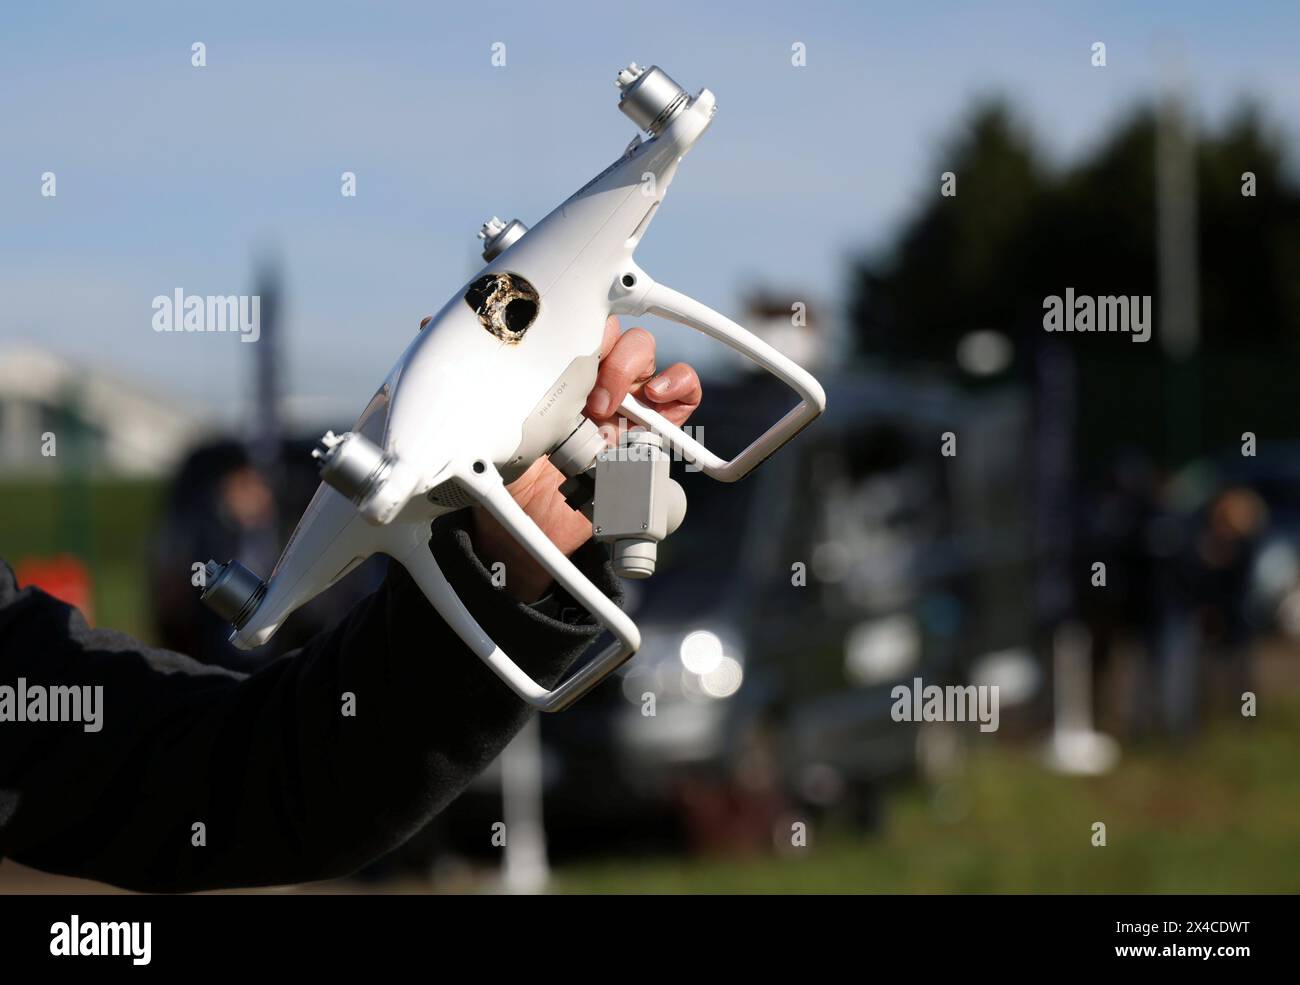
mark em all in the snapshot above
pixel 105 522
pixel 1222 815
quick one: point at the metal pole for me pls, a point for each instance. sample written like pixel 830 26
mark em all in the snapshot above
pixel 525 868
pixel 1177 260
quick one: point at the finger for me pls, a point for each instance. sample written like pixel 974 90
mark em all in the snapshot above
pixel 629 363
pixel 610 339
pixel 678 383
pixel 675 413
pixel 612 334
pixel 675 393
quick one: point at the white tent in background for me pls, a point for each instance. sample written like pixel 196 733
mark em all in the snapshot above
pixel 130 431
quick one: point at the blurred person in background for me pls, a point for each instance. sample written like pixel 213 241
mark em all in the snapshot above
pixel 220 505
pixel 1201 578
pixel 217 506
pixel 1173 583
pixel 1118 530
pixel 1235 524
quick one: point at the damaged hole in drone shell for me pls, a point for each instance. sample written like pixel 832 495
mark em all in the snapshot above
pixel 506 304
pixel 519 314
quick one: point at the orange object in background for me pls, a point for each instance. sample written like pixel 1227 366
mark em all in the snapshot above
pixel 64 576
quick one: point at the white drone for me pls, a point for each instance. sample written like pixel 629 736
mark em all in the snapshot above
pixel 520 344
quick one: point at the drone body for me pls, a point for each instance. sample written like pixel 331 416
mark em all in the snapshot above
pixel 499 378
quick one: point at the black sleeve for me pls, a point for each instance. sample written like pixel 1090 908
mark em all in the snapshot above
pixel 286 786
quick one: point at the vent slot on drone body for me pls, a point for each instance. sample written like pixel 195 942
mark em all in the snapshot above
pixel 452 495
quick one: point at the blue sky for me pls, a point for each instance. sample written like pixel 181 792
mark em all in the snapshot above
pixel 174 176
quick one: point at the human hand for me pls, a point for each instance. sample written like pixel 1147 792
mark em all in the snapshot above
pixel 627 365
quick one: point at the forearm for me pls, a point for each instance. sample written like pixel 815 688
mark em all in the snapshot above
pixel 309 768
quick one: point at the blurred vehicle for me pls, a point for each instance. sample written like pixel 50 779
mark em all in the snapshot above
pixel 781 617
